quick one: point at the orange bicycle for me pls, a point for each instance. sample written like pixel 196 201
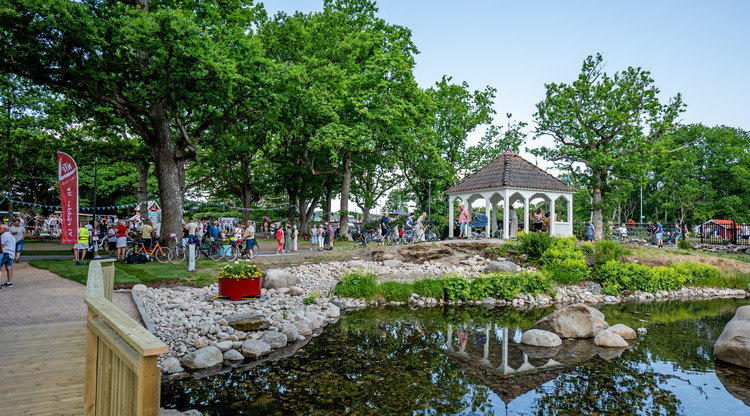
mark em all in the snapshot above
pixel 157 251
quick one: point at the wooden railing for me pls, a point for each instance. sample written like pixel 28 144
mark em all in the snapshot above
pixel 122 375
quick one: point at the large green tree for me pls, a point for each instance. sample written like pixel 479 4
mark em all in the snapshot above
pixel 604 126
pixel 172 70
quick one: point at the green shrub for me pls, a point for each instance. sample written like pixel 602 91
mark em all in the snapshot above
pixel 357 285
pixel 567 271
pixel 605 251
pixel 534 244
pixel 397 291
pixel 611 290
pixel 508 285
pixel 564 262
pixel 456 288
pixel 684 245
pixel 429 288
pixel 501 250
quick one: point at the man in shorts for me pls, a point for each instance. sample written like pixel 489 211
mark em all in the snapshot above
pixel 659 230
pixel 249 237
pixel 19 233
pixel 8 243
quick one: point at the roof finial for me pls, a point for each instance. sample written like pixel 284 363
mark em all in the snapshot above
pixel 507 132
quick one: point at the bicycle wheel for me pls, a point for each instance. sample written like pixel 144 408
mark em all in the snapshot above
pixel 161 254
pixel 177 255
pixel 256 250
pixel 214 253
pixel 130 252
pixel 232 254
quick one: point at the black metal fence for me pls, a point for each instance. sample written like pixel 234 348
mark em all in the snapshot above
pixel 710 232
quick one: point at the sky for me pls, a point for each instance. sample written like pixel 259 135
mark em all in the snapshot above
pixel 700 49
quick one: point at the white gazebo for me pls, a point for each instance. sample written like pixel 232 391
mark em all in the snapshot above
pixel 510 179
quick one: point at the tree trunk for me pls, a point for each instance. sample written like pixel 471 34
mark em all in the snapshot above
pixel 142 191
pixel 305 213
pixel 597 206
pixel 246 194
pixel 366 214
pixel 170 173
pixel 292 192
pixel 327 213
pixel 345 187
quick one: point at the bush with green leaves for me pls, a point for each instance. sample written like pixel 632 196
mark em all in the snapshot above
pixel 456 288
pixel 564 262
pixel 357 284
pixel 429 288
pixel 604 251
pixel 397 291
pixel 534 244
pixel 616 276
pixel 684 245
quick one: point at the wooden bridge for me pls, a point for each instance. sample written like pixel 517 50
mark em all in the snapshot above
pixel 105 365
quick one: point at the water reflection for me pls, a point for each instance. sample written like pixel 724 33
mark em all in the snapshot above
pixel 469 361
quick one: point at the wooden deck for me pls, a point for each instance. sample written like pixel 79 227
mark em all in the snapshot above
pixel 42 369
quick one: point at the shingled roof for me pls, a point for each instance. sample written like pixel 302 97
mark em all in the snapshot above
pixel 509 170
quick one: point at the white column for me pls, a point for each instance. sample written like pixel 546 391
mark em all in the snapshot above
pixel 494 219
pixel 570 214
pixel 451 200
pixel 468 220
pixel 526 214
pixel 450 337
pixel 506 232
pixel 552 217
pixel 487 209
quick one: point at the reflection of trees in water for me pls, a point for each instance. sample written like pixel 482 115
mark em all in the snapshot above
pixel 600 388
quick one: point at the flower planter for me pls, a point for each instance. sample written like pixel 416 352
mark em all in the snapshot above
pixel 236 289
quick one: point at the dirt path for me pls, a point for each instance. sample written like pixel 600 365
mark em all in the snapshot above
pixel 41 297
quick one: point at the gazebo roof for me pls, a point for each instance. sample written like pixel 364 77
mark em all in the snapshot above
pixel 509 170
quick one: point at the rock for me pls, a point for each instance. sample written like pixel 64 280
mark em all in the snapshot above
pixel 357 264
pixel 594 287
pixel 501 266
pixel 642 330
pixel 290 330
pixel 540 338
pixel 488 302
pixel 339 303
pixel 733 345
pixel 200 343
pixel 333 311
pixel 247 322
pixel 296 291
pixel 233 355
pixel 139 287
pixel 277 278
pixel 622 330
pixel 224 346
pixel 255 348
pixel 734 380
pixel 203 358
pixel 573 321
pixel 303 329
pixel 171 366
pixel 607 338
pixel 274 339
pixel 393 263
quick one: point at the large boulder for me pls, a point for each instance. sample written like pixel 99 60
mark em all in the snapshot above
pixel 255 348
pixel 609 339
pixel 574 321
pixel 277 278
pixel 233 355
pixel 539 338
pixel 623 330
pixel 203 358
pixel 247 322
pixel 303 329
pixel 733 345
pixel 274 339
pixel 290 330
pixel 501 266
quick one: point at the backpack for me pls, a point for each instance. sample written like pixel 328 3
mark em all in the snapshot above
pixel 136 259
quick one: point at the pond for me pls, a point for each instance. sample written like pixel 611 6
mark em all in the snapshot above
pixel 468 361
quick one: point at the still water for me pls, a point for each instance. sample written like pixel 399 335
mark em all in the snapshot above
pixel 468 361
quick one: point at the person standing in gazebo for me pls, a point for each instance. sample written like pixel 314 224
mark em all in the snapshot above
pixel 463 219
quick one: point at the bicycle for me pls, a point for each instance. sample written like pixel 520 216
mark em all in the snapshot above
pixel 157 251
pixel 178 254
pixel 431 233
pixel 242 251
pixel 208 248
pixel 366 237
pixel 393 237
pixel 409 236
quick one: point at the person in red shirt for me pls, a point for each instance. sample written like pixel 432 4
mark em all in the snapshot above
pixel 122 240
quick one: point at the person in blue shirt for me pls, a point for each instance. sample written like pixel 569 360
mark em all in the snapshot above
pixel 409 222
pixel 659 234
pixel 384 228
pixel 213 231
pixel 590 231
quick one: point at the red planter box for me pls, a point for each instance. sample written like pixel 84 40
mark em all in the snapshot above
pixel 236 289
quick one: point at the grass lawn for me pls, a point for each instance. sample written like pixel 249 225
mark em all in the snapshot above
pixel 152 272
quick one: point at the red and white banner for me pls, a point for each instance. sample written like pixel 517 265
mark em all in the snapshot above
pixel 67 174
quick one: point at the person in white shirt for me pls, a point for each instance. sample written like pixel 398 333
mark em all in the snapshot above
pixel 623 233
pixel 745 231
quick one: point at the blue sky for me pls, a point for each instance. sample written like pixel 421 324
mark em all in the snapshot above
pixel 697 48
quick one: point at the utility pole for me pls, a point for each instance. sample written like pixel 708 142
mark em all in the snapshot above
pixel 96 166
